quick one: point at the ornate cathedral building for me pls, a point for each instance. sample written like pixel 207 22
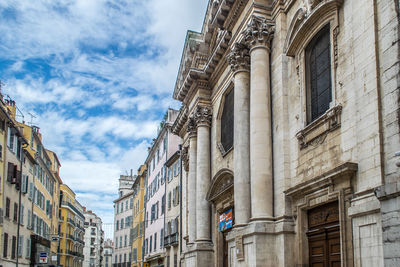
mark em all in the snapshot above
pixel 290 127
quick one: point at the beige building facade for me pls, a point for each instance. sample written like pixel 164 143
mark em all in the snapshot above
pixel 290 124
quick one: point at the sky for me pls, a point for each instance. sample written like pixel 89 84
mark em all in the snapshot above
pixel 97 77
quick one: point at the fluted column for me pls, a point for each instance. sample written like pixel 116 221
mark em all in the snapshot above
pixel 258 36
pixel 239 61
pixel 203 119
pixel 191 128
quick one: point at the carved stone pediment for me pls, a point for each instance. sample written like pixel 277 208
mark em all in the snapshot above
pixel 221 183
pixel 306 18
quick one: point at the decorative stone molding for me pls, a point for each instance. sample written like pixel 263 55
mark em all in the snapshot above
pixel 259 32
pixel 316 132
pixel 239 58
pixel 191 127
pixel 304 22
pixel 185 158
pixel 220 184
pixel 203 116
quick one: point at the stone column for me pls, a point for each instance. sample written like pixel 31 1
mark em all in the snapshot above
pixel 239 61
pixel 258 36
pixel 191 129
pixel 203 119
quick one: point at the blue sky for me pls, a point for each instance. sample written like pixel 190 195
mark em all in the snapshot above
pixel 98 75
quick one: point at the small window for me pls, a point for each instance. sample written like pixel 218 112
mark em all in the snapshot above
pixel 227 122
pixel 318 71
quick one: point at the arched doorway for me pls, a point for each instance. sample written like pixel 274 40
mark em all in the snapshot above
pixel 220 194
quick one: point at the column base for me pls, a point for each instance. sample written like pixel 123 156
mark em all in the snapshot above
pixel 199 254
pixel 263 243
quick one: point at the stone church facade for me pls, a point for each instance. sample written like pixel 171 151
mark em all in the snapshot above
pixel 290 122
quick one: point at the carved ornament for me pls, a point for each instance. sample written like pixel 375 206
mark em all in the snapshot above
pixel 185 158
pixel 191 127
pixel 239 58
pixel 259 32
pixel 316 132
pixel 203 116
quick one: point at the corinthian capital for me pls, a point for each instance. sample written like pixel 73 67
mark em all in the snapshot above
pixel 259 32
pixel 191 127
pixel 203 116
pixel 239 58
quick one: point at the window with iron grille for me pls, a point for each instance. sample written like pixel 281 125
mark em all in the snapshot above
pixel 319 85
pixel 227 122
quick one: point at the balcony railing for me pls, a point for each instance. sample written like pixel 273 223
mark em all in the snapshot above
pixel 174 239
pixel 71 221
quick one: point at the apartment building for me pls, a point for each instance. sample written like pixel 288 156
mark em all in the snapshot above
pixel 172 210
pixel 163 147
pixel 108 251
pixel 16 236
pixel 71 229
pixel 123 206
pixel 94 240
pixel 55 166
pixel 137 230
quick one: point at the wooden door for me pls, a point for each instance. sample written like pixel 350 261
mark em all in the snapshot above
pixel 324 236
pixel 225 250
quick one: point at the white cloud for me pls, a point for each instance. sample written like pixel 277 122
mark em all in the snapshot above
pixel 96 51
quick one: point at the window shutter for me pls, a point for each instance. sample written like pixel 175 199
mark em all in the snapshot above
pixel 21 214
pixel 20 245
pixel 10 172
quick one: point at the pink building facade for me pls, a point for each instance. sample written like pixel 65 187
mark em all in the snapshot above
pixel 163 147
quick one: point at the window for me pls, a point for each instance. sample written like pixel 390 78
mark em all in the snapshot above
pixel 122 206
pixel 116 259
pixel 155 241
pixel 28 247
pixel 163 204
pixel 318 62
pixel 8 203
pixel 15 212
pixel 5 245
pixel 117 226
pixel 117 209
pixel 122 223
pixel 13 247
pixel 20 245
pixel 120 242
pixel 162 238
pixel 227 122
pixel 151 243
pixel 175 260
pixel 125 241
pixel 134 254
pixel 146 246
pixel 169 200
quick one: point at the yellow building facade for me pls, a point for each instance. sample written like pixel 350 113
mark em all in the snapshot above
pixel 4 119
pixel 71 231
pixel 138 217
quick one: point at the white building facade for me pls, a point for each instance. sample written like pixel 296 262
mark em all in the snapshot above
pixel 290 124
pixel 163 147
pixel 94 240
pixel 123 206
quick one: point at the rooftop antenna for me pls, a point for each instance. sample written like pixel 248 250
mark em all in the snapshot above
pixel 32 116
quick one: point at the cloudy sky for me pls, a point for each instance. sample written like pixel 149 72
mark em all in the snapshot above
pixel 96 76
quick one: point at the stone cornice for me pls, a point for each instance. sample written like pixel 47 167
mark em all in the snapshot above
pixel 239 58
pixel 180 121
pixel 259 32
pixel 203 116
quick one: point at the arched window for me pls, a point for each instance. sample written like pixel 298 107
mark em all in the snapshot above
pixel 227 122
pixel 318 69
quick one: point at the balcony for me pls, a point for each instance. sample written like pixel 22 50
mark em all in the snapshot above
pixel 69 220
pixel 167 241
pixel 70 237
pixel 174 239
pixel 61 218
